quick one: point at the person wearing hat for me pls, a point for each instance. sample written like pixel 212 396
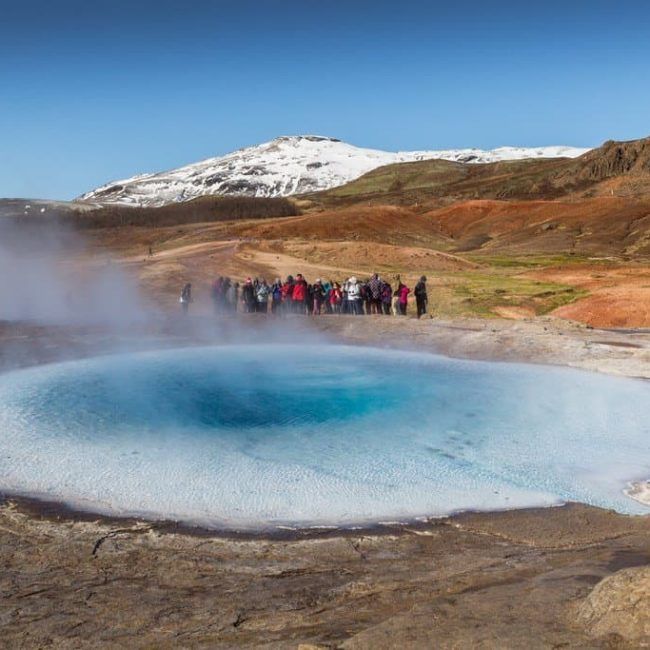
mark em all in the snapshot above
pixel 354 296
pixel 421 298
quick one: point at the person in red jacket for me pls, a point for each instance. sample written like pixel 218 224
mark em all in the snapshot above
pixel 286 293
pixel 403 293
pixel 300 295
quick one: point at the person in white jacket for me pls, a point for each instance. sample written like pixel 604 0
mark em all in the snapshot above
pixel 186 297
pixel 354 296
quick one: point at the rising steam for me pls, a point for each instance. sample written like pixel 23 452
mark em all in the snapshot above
pixel 48 277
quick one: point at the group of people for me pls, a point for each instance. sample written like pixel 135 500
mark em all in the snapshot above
pixel 296 296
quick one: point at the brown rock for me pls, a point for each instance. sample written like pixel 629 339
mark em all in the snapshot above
pixel 620 604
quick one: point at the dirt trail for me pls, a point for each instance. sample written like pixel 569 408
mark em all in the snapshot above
pixel 186 250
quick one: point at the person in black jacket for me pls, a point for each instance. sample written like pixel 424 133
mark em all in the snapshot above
pixel 248 296
pixel 317 297
pixel 421 298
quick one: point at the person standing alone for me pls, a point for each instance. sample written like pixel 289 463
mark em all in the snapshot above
pixel 421 298
pixel 186 297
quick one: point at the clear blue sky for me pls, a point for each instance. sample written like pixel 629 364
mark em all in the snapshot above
pixel 92 91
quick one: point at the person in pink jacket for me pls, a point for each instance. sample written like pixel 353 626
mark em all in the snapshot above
pixel 403 293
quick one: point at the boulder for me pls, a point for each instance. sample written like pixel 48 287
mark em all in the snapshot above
pixel 620 605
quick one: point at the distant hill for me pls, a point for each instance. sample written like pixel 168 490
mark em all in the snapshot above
pixel 91 215
pixel 615 168
pixel 32 209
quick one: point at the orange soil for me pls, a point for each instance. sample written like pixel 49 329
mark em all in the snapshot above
pixel 387 224
pixel 359 240
pixel 598 226
pixel 618 297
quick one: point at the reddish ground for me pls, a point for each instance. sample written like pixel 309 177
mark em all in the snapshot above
pixel 618 297
pixel 598 226
pixel 599 245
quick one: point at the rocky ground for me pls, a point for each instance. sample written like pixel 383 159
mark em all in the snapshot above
pixel 507 580
pixel 573 576
pixel 538 340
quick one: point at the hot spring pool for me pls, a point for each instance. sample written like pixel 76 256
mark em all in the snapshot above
pixel 252 436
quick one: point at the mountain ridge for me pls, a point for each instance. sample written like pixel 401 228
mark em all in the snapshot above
pixel 286 166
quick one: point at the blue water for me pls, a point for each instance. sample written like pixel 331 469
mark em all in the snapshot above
pixel 310 434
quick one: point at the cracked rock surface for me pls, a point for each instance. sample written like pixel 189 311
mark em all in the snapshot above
pixel 500 580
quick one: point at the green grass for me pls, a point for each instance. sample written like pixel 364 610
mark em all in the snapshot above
pixel 399 178
pixel 414 182
pixel 478 293
pixel 526 261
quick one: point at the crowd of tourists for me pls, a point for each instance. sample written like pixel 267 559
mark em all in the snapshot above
pixel 297 296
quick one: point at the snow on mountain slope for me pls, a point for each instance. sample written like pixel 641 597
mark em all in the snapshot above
pixel 285 166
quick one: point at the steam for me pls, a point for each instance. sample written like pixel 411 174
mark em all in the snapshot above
pixel 48 277
pixel 62 298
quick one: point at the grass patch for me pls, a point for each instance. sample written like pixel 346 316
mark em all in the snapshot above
pixel 527 261
pixel 477 294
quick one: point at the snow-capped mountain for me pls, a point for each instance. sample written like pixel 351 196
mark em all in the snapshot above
pixel 286 166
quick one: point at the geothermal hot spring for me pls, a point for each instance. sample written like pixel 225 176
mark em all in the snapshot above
pixel 258 436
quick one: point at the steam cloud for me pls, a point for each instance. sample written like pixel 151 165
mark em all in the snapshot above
pixel 48 278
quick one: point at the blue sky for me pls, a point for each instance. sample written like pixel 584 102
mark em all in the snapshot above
pixel 92 91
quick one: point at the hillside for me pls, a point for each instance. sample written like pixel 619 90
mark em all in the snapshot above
pixel 615 168
pixel 596 226
pixel 518 239
pixel 84 216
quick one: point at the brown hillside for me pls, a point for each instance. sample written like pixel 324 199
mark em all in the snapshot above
pixel 509 239
pixel 598 226
pixel 614 159
pixel 616 168
pixel 385 224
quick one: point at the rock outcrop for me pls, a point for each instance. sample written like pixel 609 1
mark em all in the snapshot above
pixel 620 605
pixel 616 158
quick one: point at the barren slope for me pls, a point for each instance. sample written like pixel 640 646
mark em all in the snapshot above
pixel 617 297
pixel 598 226
pixel 619 168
